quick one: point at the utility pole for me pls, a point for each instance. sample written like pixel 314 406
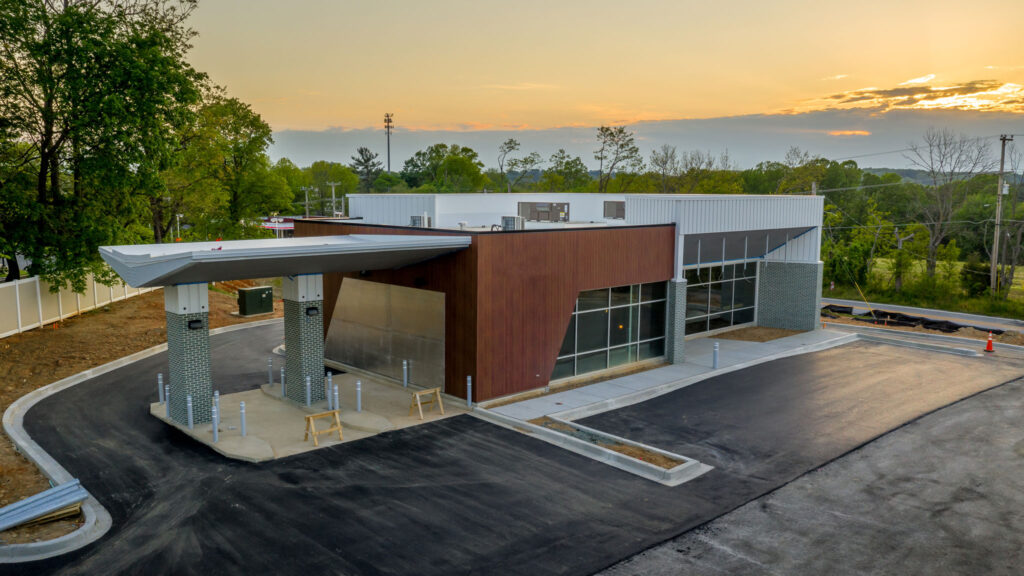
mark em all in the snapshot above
pixel 306 189
pixel 334 209
pixel 1003 139
pixel 388 123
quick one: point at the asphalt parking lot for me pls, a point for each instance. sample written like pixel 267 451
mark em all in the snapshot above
pixel 461 495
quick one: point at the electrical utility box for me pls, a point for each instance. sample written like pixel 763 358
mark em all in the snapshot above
pixel 255 300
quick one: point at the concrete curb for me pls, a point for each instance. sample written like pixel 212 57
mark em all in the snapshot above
pixel 685 472
pixel 97 519
pixel 911 336
pixel 913 310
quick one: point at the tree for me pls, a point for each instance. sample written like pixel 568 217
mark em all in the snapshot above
pixel 321 174
pixel 523 167
pixel 98 89
pixel 507 147
pixel 567 173
pixel 617 151
pixel 665 162
pixel 367 167
pixel 445 168
pixel 388 182
pixel 949 159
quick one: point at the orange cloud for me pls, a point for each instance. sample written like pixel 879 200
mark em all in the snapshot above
pixel 849 133
pixel 976 95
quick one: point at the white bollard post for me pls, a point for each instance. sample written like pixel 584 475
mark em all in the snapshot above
pixel 329 390
pixel 405 373
pixel 337 406
pixel 241 416
pixel 167 400
pixel 188 406
pixel 359 395
pixel 270 370
pixel 282 381
pixel 469 391
pixel 216 400
pixel 215 424
pixel 309 392
pixel 160 387
pixel 715 357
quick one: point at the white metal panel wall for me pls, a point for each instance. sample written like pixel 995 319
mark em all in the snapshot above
pixel 187 298
pixel 390 209
pixel 700 214
pixel 487 209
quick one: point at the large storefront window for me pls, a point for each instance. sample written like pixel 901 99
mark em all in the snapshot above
pixel 613 326
pixel 720 296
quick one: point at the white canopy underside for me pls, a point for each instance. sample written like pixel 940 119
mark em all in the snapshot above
pixel 145 265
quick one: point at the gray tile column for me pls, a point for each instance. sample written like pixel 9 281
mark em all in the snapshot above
pixel 675 333
pixel 188 351
pixel 789 295
pixel 303 336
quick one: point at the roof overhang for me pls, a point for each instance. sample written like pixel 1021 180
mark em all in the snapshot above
pixel 144 265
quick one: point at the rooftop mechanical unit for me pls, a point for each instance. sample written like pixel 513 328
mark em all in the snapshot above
pixel 255 300
pixel 420 221
pixel 513 223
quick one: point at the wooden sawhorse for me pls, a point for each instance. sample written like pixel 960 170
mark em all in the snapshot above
pixel 311 426
pixel 430 396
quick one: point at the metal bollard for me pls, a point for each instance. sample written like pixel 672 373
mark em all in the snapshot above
pixel 216 400
pixel 241 416
pixel 282 381
pixel 309 392
pixel 167 400
pixel 270 370
pixel 359 395
pixel 188 407
pixel 160 387
pixel 405 373
pixel 337 406
pixel 330 390
pixel 215 424
pixel 469 391
pixel 715 357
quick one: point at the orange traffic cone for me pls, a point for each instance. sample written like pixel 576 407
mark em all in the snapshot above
pixel 988 346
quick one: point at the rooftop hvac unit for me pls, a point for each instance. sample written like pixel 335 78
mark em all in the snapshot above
pixel 420 221
pixel 513 223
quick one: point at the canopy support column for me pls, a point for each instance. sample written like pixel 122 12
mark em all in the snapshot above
pixel 188 350
pixel 303 336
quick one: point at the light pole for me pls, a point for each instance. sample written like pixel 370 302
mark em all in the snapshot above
pixel 306 189
pixel 178 219
pixel 388 123
pixel 334 209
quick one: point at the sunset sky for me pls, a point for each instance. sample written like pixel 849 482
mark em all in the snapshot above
pixel 439 66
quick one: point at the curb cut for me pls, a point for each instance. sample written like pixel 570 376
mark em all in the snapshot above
pixel 97 519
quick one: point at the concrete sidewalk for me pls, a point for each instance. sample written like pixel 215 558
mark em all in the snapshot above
pixel 699 362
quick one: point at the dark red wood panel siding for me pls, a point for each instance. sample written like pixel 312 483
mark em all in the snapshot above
pixel 510 295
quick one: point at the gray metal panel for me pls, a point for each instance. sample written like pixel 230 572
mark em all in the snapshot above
pixel 699 213
pixel 738 245
pixel 390 209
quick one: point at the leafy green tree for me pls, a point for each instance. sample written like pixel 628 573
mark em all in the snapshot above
pixel 566 173
pixel 444 168
pixel 617 152
pixel 524 167
pixel 665 162
pixel 507 147
pixel 320 176
pixel 99 90
pixel 387 182
pixel 367 166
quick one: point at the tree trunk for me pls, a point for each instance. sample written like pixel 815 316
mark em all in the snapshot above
pixel 933 256
pixel 13 269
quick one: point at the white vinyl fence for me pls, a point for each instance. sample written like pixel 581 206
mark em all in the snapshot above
pixel 28 303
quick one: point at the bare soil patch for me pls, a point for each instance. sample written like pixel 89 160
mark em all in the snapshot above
pixel 756 334
pixel 1007 337
pixel 39 357
pixel 635 452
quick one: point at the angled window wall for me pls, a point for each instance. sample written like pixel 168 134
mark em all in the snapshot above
pixel 719 296
pixel 613 326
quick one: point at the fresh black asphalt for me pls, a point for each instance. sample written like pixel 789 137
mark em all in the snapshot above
pixel 457 496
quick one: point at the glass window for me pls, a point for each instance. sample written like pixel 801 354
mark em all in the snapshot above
pixel 652 320
pixel 696 276
pixel 654 291
pixel 719 300
pixel 621 355
pixel 743 316
pixel 715 273
pixel 623 325
pixel 593 299
pixel 569 342
pixel 621 295
pixel 744 296
pixel 719 321
pixel 591 362
pixel 696 301
pixel 697 326
pixel 592 330
pixel 652 349
pixel 563 368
